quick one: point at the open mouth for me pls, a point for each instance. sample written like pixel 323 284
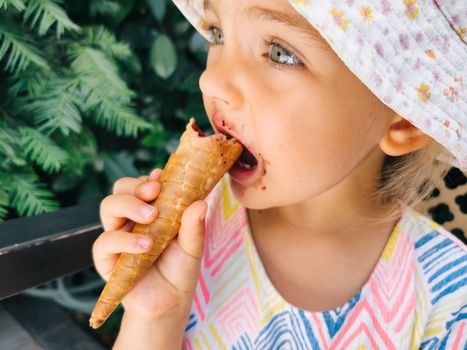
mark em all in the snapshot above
pixel 246 160
pixel 247 168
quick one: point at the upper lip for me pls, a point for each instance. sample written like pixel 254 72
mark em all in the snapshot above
pixel 218 119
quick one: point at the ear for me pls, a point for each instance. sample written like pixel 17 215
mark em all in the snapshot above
pixel 402 137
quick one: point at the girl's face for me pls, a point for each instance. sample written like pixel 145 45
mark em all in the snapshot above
pixel 286 95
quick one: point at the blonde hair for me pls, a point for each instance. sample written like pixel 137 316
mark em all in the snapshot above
pixel 411 178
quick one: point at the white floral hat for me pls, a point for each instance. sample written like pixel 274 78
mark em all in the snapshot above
pixel 411 54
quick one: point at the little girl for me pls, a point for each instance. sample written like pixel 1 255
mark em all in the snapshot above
pixel 345 110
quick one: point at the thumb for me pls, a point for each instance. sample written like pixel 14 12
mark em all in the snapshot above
pixel 191 234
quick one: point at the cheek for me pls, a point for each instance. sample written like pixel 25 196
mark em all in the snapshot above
pixel 208 104
pixel 293 153
pixel 316 142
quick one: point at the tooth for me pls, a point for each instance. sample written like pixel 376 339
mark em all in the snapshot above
pixel 244 165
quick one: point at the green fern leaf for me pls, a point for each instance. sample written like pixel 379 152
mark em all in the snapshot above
pixel 104 8
pixel 10 151
pixel 104 93
pixel 29 196
pixel 106 41
pixel 100 37
pixel 18 4
pixel 82 150
pixel 42 150
pixel 56 109
pixel 121 119
pixel 115 117
pixel 33 82
pixel 100 73
pixel 17 48
pixel 4 202
pixel 46 13
pixel 4 196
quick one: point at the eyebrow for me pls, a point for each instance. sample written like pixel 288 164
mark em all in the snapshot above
pixel 294 21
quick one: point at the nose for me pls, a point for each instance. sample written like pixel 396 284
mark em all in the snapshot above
pixel 221 78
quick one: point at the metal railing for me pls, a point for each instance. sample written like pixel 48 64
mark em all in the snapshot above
pixel 40 249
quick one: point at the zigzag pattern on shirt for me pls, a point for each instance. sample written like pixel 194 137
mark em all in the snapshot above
pixel 219 246
pixel 420 273
pixel 240 312
pixel 286 329
pixel 392 282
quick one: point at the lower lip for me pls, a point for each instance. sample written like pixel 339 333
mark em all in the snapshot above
pixel 241 174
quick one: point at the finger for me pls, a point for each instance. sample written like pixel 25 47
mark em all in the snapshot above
pixel 148 190
pixel 191 234
pixel 110 244
pixel 128 226
pixel 115 209
pixel 155 174
pixel 180 262
pixel 127 185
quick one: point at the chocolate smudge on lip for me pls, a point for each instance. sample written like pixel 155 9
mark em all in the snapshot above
pixel 259 183
pixel 265 162
pixel 227 125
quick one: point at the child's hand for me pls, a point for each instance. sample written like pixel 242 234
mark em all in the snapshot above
pixel 171 281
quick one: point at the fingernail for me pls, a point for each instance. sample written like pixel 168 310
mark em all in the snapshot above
pixel 147 210
pixel 144 242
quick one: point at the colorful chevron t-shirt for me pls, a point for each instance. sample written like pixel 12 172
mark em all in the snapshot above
pixel 415 298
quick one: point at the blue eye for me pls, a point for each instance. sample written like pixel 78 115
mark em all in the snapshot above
pixel 278 56
pixel 215 34
pixel 282 56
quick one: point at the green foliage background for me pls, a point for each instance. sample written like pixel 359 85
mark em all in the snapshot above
pixel 90 91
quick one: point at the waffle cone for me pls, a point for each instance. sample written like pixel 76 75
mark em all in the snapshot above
pixel 190 174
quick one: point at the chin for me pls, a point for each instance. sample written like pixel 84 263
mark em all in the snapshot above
pixel 250 197
pixel 253 197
